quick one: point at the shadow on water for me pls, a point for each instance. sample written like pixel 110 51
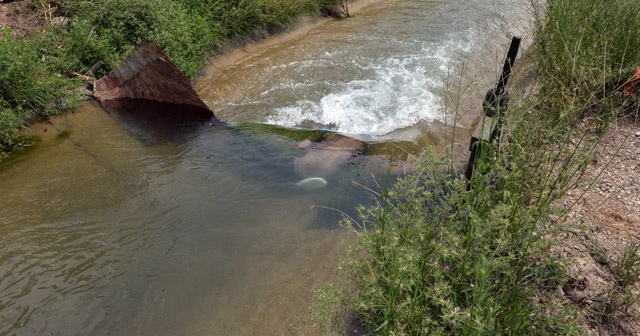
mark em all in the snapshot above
pixel 152 122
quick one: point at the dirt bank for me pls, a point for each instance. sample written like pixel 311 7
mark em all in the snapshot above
pixel 20 18
pixel 603 219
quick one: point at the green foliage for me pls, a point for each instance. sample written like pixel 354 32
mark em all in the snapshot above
pixel 244 18
pixel 28 90
pixel 586 51
pixel 435 256
pixel 185 30
pixel 627 269
pixel 10 139
pixel 108 30
pixel 26 83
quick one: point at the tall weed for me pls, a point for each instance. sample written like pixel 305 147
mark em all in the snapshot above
pixel 438 256
pixel 185 30
pixel 434 257
pixel 108 30
pixel 586 51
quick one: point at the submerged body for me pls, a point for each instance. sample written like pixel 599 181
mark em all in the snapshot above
pixel 327 156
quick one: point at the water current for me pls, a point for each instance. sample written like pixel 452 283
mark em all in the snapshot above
pixel 110 227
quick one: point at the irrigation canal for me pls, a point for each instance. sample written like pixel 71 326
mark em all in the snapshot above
pixel 109 227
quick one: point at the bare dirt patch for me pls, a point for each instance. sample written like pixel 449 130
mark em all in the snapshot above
pixel 20 17
pixel 603 219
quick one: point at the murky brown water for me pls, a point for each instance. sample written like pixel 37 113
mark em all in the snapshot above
pixel 105 231
pixel 115 228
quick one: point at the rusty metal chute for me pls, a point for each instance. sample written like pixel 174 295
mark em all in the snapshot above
pixel 147 75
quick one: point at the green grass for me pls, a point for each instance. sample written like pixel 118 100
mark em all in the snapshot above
pixel 434 258
pixel 186 30
pixel 586 51
pixel 108 30
pixel 28 90
pixel 614 305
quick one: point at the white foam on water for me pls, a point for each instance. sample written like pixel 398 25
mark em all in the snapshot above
pixel 400 93
pixel 398 96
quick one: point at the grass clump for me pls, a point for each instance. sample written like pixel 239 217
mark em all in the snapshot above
pixel 28 90
pixel 435 258
pixel 615 303
pixel 586 52
pixel 108 30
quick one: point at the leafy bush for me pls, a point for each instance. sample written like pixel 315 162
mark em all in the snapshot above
pixel 9 123
pixel 108 30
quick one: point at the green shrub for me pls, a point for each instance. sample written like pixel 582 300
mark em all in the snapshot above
pixel 9 124
pixel 434 258
pixel 25 81
pixel 108 30
pixel 185 30
pixel 437 256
